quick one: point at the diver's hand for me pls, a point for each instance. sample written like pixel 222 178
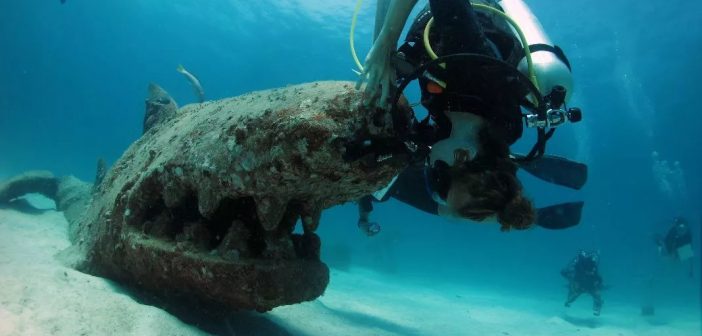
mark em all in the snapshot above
pixel 380 75
pixel 369 228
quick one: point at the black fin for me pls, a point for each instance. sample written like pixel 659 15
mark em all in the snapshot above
pixel 557 170
pixel 560 216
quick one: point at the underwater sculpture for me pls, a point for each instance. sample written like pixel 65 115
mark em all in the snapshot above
pixel 203 206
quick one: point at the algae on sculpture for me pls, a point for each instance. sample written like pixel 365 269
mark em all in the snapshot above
pixel 202 207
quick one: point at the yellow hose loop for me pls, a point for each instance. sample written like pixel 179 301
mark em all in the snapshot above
pixel 425 36
pixel 353 28
pixel 522 38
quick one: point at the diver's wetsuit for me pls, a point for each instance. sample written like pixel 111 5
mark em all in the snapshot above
pixel 677 238
pixel 478 89
pixel 411 187
pixel 469 87
pixel 583 277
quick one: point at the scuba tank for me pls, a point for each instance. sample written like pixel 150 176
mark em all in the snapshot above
pixel 550 64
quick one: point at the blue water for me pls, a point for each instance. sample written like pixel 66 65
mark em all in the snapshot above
pixel 73 78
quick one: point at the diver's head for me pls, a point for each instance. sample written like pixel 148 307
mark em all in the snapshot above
pixel 487 193
pixel 679 221
pixel 588 260
pixel 484 186
pixel 680 224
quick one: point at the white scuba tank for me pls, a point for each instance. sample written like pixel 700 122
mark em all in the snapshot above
pixel 549 69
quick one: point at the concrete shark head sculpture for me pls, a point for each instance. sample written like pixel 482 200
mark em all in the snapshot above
pixel 203 206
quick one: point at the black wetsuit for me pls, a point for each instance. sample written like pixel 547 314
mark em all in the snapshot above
pixel 480 90
pixel 677 238
pixel 583 277
pixel 410 187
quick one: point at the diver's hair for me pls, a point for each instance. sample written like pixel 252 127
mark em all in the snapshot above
pixel 491 181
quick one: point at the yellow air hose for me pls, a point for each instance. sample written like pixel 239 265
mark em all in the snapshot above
pixel 353 28
pixel 430 51
pixel 522 38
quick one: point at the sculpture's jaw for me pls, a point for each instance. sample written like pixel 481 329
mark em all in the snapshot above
pixel 224 257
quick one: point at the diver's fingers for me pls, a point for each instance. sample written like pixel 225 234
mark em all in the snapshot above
pixel 371 93
pixel 361 79
pixel 385 92
pixel 367 78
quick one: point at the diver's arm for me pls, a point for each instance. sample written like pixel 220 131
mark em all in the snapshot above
pixel 378 68
pixel 395 19
pixel 365 207
pixel 381 11
pixel 569 271
pixel 598 281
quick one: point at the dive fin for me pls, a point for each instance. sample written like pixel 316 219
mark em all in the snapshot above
pixel 180 68
pixel 556 170
pixel 560 216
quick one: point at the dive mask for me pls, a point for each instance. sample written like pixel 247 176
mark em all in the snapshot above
pixel 438 181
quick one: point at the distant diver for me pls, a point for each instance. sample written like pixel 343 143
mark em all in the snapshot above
pixel 583 277
pixel 678 240
pixel 677 243
pixel 194 82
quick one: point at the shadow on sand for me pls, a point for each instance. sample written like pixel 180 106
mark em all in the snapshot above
pixel 585 322
pixel 24 206
pixel 212 320
pixel 370 321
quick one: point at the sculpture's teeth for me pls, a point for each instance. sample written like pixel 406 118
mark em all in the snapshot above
pixel 208 202
pixel 310 217
pixel 235 239
pixel 173 194
pixel 270 212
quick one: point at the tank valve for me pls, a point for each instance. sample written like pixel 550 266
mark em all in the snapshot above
pixel 554 114
pixel 554 118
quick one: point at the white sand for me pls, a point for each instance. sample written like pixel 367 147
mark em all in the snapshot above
pixel 39 296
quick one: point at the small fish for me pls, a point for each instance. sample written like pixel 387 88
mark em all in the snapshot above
pixel 194 82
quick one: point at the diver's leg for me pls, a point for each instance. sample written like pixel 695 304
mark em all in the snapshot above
pixel 573 293
pixel 459 27
pixel 596 302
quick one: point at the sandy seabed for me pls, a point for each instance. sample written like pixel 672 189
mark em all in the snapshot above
pixel 40 296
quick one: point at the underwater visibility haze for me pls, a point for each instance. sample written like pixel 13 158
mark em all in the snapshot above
pixel 74 75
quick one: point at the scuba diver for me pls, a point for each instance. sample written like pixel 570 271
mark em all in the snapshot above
pixel 460 161
pixel 678 241
pixel 583 277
